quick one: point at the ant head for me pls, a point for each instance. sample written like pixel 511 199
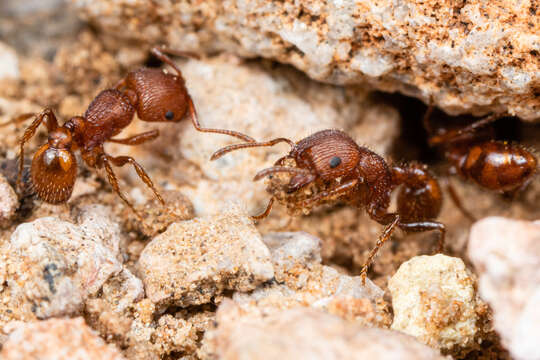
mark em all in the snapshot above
pixel 328 153
pixel 161 96
pixel 54 170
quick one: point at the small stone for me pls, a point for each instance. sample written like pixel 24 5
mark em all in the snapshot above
pixel 434 300
pixel 58 339
pixel 54 265
pixel 8 202
pixel 158 217
pixel 195 260
pixel 306 334
pixel 506 255
pixel 9 62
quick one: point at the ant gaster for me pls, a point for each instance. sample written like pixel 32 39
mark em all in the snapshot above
pixel 498 166
pixel 345 171
pixel 156 96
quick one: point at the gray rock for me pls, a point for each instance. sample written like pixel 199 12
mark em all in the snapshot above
pixel 506 255
pixel 55 265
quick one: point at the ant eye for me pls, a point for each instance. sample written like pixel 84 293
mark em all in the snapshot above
pixel 169 115
pixel 335 161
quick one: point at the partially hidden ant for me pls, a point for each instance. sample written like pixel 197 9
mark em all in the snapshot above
pixel 498 166
pixel 343 171
pixel 154 95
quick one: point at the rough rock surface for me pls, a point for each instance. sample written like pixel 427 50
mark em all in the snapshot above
pixel 467 56
pixel 302 281
pixel 9 62
pixel 434 300
pixel 307 334
pixel 52 266
pixel 195 260
pixel 59 339
pixel 8 202
pixel 506 254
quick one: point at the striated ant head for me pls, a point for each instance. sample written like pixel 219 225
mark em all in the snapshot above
pixel 54 168
pixel 160 96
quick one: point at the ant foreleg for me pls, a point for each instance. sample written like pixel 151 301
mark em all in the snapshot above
pixel 113 180
pixel 197 125
pixel 266 211
pixel 387 232
pixel 46 115
pixel 123 160
pixel 137 139
pixel 330 193
pixel 456 135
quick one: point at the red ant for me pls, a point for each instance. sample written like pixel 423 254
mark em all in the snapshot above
pixel 341 170
pixel 151 93
pixel 494 165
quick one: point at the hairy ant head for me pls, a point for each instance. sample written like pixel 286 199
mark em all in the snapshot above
pixel 161 96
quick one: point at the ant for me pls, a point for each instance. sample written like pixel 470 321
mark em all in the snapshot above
pixel 494 165
pixel 339 169
pixel 154 95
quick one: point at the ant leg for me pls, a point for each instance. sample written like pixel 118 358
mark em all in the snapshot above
pixel 197 125
pixel 332 192
pixel 249 144
pixel 266 211
pixel 123 160
pixel 158 52
pixel 113 180
pixel 18 119
pixel 455 135
pixel 137 139
pixel 425 120
pixel 457 201
pixel 46 115
pixel 387 232
pixel 427 226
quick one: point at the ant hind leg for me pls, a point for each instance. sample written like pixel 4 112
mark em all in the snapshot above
pixel 387 232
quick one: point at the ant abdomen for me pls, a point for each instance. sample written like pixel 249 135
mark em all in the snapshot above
pixel 496 165
pixel 53 174
pixel 420 196
pixel 161 96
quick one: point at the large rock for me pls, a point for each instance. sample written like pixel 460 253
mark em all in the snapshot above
pixel 468 56
pixel 307 334
pixel 196 260
pixel 506 255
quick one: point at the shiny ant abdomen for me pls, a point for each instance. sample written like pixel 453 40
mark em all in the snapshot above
pixel 498 166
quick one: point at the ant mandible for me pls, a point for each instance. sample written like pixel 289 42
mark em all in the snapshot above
pixel 498 166
pixel 333 162
pixel 156 96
